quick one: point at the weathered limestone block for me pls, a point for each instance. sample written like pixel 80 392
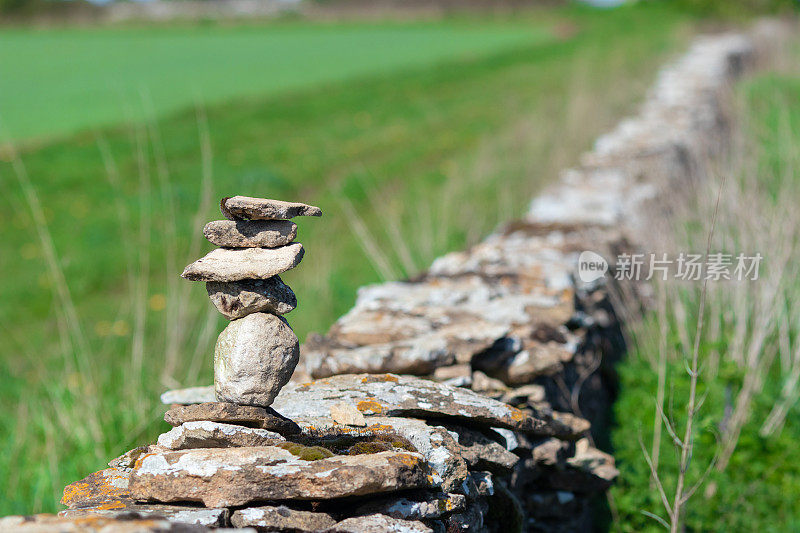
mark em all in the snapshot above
pixel 281 518
pixel 224 477
pixel 235 299
pixel 231 413
pixel 231 264
pixel 205 434
pixel 254 357
pixel 250 233
pixel 248 208
pixel 106 487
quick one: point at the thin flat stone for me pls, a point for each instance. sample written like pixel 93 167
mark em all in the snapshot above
pixel 249 208
pixel 250 233
pixel 281 518
pixel 205 434
pixel 231 413
pixel 227 264
pixel 173 513
pixel 224 477
pixel 236 299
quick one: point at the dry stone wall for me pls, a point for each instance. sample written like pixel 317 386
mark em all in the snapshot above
pixel 469 399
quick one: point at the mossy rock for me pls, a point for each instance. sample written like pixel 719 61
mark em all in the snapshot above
pixel 306 453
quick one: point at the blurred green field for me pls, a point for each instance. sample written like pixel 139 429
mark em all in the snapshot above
pixel 61 80
pixel 407 162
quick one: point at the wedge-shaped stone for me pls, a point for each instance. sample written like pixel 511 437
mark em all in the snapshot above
pixel 250 233
pixel 281 518
pixel 249 208
pixel 173 513
pixel 224 477
pixel 231 413
pixel 207 434
pixel 235 299
pixel 254 357
pixel 225 264
pixel 390 395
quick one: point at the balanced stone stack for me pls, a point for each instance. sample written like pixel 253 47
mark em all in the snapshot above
pixel 258 351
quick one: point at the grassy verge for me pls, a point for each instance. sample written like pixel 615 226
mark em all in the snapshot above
pixel 95 228
pixel 747 426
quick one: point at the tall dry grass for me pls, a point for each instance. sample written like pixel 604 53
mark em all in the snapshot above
pixel 742 337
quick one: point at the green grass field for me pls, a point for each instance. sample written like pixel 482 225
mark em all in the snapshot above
pixel 428 153
pixel 59 81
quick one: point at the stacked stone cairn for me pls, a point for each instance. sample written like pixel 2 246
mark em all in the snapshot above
pixel 257 353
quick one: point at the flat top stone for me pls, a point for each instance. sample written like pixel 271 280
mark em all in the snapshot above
pixel 249 208
pixel 390 395
pixel 223 477
pixel 231 413
pixel 234 264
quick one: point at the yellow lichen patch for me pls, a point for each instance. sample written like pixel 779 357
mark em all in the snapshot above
pixel 410 461
pixel 139 460
pixel 517 415
pixel 117 504
pixel 380 378
pixel 370 405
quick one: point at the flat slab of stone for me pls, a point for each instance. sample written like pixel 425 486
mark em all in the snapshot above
pixel 393 395
pixel 231 413
pixel 205 434
pixel 189 395
pixel 173 513
pixel 281 518
pixel 54 524
pixel 235 299
pixel 249 208
pixel 230 264
pixel 224 477
pixel 250 233
pixel 106 487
